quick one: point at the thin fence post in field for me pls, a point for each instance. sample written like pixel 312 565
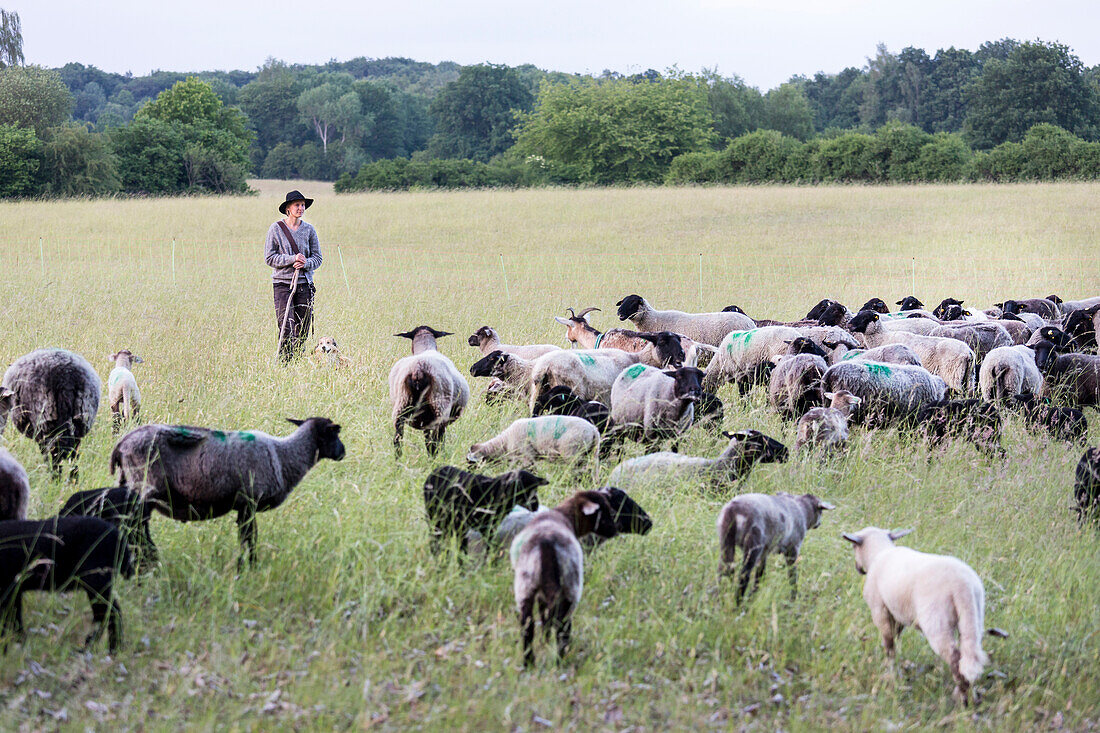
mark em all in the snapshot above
pixel 173 261
pixel 700 282
pixel 42 257
pixel 346 285
pixel 914 282
pixel 507 294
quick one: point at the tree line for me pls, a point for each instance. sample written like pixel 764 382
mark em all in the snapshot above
pixel 996 113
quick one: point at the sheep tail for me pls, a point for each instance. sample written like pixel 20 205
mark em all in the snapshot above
pixel 968 610
pixel 733 525
pixel 549 583
pixel 116 463
pixel 417 384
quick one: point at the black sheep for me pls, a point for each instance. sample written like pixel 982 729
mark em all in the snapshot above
pixel 1064 423
pixel 122 508
pixel 973 420
pixel 63 554
pixel 1086 489
pixel 457 501
pixel 560 400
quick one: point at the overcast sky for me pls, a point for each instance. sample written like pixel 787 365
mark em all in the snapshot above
pixel 763 41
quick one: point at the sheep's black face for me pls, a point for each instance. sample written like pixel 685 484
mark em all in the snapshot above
pixel 940 309
pixel 759 448
pixel 1055 336
pixel 733 309
pixel 558 400
pixel 327 434
pixel 953 312
pixel 833 315
pixel 486 365
pixel 1011 317
pixel 629 307
pixel 910 302
pixel 688 383
pixel 1011 306
pixel 482 333
pixel 1055 299
pixel 878 305
pixel 669 349
pixel 628 516
pixel 804 345
pixel 860 321
pixel 524 487
pixel 821 307
pixel 710 406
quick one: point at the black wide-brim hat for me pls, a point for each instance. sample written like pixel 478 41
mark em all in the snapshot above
pixel 291 198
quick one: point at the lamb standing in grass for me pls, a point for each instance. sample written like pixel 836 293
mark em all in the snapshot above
pixel 560 437
pixel 759 524
pixel 15 488
pixel 192 474
pixel 426 390
pixel 937 594
pixel 122 390
pixel 827 427
pixel 52 397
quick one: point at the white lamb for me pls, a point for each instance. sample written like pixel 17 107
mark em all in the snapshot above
pixel 937 594
pixel 122 390
pixel 560 437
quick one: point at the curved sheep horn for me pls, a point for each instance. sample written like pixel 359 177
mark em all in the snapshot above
pixel 586 311
pixel 857 541
pixel 897 534
pixel 571 313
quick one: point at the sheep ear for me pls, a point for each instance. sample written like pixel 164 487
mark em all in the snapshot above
pixel 113 356
pixel 406 335
pixel 589 508
pixel 440 334
pixel 825 505
pixel 294 422
pixel 897 534
pixel 562 321
pixel 857 541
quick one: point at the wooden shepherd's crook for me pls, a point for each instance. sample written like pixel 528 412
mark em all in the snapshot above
pixel 286 312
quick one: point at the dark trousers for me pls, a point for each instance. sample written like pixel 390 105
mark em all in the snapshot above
pixel 298 321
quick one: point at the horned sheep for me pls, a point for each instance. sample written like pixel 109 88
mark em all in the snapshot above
pixel 758 525
pixel 937 594
pixel 426 390
pixel 52 397
pixel 192 474
pixel 660 349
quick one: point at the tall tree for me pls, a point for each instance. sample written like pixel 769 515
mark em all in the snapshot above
pixel 331 108
pixel 787 110
pixel 736 107
pixel 475 113
pixel 31 96
pixel 1038 82
pixel 11 39
pixel 271 103
pixel 943 103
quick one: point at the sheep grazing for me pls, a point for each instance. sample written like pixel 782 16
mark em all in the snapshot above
pixel 758 525
pixel 1072 378
pixel 707 328
pixel 193 474
pixel 487 340
pixel 122 390
pixel 649 405
pixel 973 420
pixel 63 554
pixel 889 392
pixel 426 390
pixel 457 501
pixel 937 594
pixel 795 383
pixel 15 488
pixel 562 401
pixel 52 397
pixel 909 302
pixel 1008 371
pixel 511 375
pixel 589 372
pixel 1064 423
pixel 826 428
pixel 550 437
pixel 745 357
pixel 1086 487
pixel 549 566
pixel 660 349
pixel 746 448
pixel 950 359
pixel 628 515
pixel 122 508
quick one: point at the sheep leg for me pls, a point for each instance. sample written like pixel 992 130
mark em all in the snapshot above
pixel 398 432
pixel 433 439
pixel 563 626
pixel 527 630
pixel 246 532
pixel 792 575
pixel 887 627
pixel 116 420
pixel 752 558
pixel 149 555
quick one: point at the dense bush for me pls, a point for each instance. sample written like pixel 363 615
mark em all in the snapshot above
pixel 20 158
pixel 397 174
pixel 77 162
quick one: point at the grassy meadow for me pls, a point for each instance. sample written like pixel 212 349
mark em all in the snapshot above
pixel 348 621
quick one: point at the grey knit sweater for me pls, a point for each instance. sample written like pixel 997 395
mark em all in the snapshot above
pixel 279 255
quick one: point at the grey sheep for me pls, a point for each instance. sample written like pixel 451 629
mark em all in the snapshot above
pixel 63 554
pixel 649 405
pixel 549 566
pixel 427 391
pixel 758 524
pixel 745 357
pixel 795 382
pixel 827 427
pixel 707 328
pixel 52 397
pixel 745 449
pixel 194 474
pixel 889 392
pixel 950 359
pixel 15 488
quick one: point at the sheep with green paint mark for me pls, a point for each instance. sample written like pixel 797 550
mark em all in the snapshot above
pixel 548 437
pixel 888 392
pixel 588 372
pixel 649 404
pixel 745 357
pixel 950 359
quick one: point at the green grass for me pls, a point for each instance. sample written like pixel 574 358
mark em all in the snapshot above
pixel 348 620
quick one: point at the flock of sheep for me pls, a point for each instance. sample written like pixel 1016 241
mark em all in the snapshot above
pixel 945 373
